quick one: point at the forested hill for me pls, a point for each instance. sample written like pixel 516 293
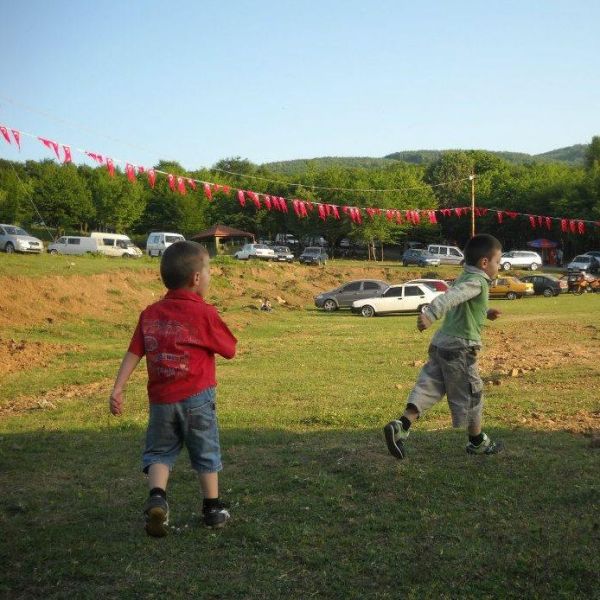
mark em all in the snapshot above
pixel 571 155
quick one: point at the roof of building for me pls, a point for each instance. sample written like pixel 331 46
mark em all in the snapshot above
pixel 217 231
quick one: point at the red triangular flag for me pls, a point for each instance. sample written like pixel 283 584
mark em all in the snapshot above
pixel 67 151
pixel 268 202
pixel 511 214
pixel 241 197
pixel 4 131
pixel 97 157
pixel 17 137
pixel 572 226
pixel 432 217
pixel 207 191
pixel 141 169
pixel 181 186
pixel 532 221
pixel 540 220
pixel 191 183
pixel 580 227
pixel 110 165
pixel 322 212
pixel 500 215
pixel 49 144
pixel 151 177
pixel 171 179
pixel 563 225
pixel 548 222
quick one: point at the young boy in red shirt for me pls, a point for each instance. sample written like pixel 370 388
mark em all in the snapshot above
pixel 180 335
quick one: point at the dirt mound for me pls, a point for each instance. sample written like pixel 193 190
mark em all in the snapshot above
pixel 26 301
pixel 16 355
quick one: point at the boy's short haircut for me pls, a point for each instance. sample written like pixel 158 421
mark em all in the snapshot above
pixel 180 261
pixel 481 246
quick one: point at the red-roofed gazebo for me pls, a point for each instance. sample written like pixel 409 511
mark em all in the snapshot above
pixel 219 238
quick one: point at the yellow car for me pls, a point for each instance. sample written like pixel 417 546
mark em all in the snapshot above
pixel 511 288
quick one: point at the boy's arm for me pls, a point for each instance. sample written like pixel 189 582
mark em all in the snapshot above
pixel 129 363
pixel 456 295
pixel 220 339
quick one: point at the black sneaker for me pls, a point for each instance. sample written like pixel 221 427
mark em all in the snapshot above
pixel 216 516
pixel 486 447
pixel 157 516
pixel 395 434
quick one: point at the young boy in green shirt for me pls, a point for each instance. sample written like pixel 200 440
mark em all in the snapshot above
pixel 452 366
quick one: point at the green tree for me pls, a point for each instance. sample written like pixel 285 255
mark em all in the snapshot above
pixel 592 154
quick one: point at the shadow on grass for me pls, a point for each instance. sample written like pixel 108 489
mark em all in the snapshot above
pixel 328 513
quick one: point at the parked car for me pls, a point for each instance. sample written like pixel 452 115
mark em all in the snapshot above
pixel 584 263
pixel 438 285
pixel 448 255
pixel 520 258
pixel 408 297
pixel 116 244
pixel 159 241
pixel 15 239
pixel 345 295
pixel 286 239
pixel 313 255
pixel 547 285
pixel 594 253
pixel 422 258
pixel 510 287
pixel 261 251
pixel 283 254
pixel 74 244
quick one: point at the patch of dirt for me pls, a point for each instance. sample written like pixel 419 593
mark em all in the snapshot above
pixel 581 422
pixel 16 355
pixel 51 399
pixel 517 349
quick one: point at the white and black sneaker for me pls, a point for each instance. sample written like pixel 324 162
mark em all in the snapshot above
pixel 157 516
pixel 216 516
pixel 395 434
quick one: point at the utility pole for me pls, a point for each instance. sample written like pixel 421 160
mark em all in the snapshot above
pixel 472 178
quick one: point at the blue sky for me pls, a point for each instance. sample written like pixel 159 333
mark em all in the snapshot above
pixel 199 81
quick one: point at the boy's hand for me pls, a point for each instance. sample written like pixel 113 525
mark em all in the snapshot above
pixel 116 402
pixel 493 314
pixel 423 322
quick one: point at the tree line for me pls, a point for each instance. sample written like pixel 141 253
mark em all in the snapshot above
pixel 67 197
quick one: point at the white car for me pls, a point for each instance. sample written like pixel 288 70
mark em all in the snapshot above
pixel 408 297
pixel 116 244
pixel 15 239
pixel 159 241
pixel 520 258
pixel 256 251
pixel 75 244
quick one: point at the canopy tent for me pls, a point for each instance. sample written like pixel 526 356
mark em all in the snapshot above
pixel 542 243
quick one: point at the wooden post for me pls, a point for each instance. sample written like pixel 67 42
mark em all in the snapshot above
pixel 472 178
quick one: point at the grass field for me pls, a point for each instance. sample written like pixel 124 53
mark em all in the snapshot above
pixel 319 508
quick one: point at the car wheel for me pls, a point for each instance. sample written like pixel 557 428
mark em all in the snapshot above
pixel 126 255
pixel 54 251
pixel 548 292
pixel 511 296
pixel 506 266
pixel 534 266
pixel 9 248
pixel 159 253
pixel 405 264
pixel 367 311
pixel 422 308
pixel 329 305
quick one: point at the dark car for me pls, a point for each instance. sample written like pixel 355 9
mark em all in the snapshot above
pixel 546 285
pixel 421 258
pixel 345 295
pixel 283 254
pixel 313 255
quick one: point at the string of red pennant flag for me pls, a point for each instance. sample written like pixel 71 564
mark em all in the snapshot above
pixel 302 208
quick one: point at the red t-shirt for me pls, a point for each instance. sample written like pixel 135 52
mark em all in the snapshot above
pixel 180 336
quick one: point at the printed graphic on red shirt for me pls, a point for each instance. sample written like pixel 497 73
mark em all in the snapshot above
pixel 169 335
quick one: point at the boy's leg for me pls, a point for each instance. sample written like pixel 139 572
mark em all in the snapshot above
pixel 157 507
pixel 428 390
pixel 202 440
pixel 465 398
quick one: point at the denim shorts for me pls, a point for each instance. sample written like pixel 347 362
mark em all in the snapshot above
pixel 192 422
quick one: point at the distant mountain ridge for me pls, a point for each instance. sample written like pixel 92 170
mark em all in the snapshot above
pixel 571 155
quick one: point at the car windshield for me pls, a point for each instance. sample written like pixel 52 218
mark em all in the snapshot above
pixel 261 247
pixel 15 231
pixel 281 249
pixel 171 239
pixel 312 251
pixel 582 259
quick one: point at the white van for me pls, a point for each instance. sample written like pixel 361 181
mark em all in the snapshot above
pixel 74 244
pixel 159 241
pixel 448 255
pixel 116 244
